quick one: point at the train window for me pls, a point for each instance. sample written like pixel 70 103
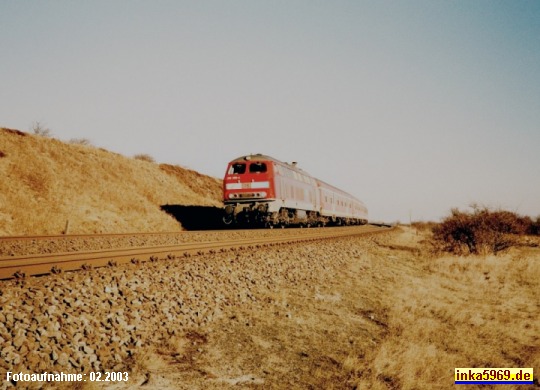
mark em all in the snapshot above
pixel 237 168
pixel 257 167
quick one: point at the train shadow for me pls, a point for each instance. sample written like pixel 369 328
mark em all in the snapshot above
pixel 196 217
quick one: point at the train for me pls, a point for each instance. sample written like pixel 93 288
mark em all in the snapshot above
pixel 259 190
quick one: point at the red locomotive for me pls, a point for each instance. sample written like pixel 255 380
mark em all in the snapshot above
pixel 259 190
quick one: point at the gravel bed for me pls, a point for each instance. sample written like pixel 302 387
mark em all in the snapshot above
pixel 101 319
pixel 66 244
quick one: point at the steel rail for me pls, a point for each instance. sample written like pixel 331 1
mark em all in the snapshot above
pixel 27 265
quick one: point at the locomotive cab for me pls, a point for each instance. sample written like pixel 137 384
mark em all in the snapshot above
pixel 247 188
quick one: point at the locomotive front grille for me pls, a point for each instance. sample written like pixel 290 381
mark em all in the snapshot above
pixel 247 195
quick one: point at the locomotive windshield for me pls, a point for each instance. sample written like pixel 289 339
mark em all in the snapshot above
pixel 256 167
pixel 237 168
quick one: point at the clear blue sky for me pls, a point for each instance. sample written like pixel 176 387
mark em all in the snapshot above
pixel 415 107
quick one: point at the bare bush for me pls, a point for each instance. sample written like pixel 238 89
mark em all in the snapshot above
pixel 144 157
pixel 80 141
pixel 40 129
pixel 480 231
pixel 534 227
pixel 423 225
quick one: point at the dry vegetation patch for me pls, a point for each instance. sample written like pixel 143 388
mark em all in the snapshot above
pixel 475 311
pixel 206 187
pixel 47 182
pixel 144 157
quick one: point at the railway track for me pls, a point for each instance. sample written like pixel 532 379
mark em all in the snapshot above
pixel 39 264
pixel 34 245
pixel 97 236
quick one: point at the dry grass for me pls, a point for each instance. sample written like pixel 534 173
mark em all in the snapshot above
pixel 476 311
pixel 47 182
pixel 206 188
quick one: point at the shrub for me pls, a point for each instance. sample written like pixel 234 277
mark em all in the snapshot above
pixel 144 157
pixel 423 225
pixel 80 141
pixel 40 129
pixel 479 231
pixel 16 132
pixel 534 227
pixel 2 154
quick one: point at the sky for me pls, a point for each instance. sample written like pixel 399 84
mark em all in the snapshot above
pixel 415 107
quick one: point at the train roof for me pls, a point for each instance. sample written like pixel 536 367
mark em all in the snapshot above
pixel 255 157
pixel 264 157
pixel 334 188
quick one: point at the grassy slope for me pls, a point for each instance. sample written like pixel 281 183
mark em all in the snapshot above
pixel 46 182
pixel 447 312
